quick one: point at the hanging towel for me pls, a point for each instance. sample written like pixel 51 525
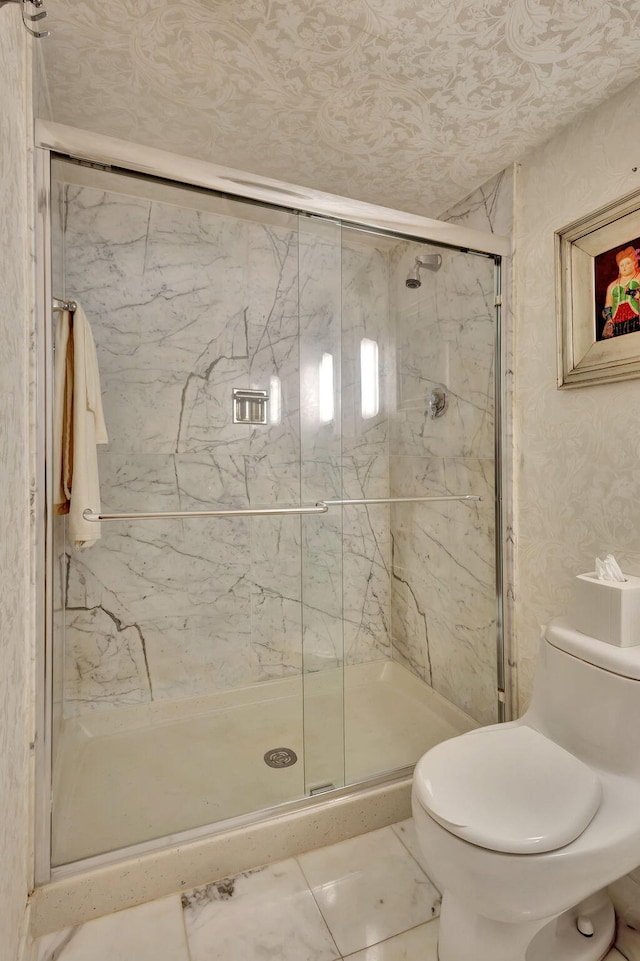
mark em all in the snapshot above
pixel 78 426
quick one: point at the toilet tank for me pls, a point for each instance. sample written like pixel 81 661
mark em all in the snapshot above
pixel 586 697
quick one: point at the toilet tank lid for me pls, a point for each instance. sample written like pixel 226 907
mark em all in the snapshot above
pixel 509 789
pixel 624 661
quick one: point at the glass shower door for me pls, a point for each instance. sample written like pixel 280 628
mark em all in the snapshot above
pixel 178 648
pixel 444 441
pixel 320 305
pixel 419 431
pixel 207 668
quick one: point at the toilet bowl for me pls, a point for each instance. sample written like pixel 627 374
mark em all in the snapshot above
pixel 522 825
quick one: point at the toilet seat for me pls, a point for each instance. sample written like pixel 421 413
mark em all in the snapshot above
pixel 509 789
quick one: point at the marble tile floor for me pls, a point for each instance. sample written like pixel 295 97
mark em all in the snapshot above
pixel 364 899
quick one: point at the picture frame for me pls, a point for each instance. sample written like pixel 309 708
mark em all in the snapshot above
pixel 594 259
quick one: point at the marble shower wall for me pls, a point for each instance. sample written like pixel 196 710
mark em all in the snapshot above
pixel 186 304
pixel 491 208
pixel 366 313
pixel 188 300
pixel 443 573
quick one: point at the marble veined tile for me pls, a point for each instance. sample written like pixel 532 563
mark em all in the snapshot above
pixel 627 946
pixel 273 339
pixel 322 573
pixel 105 238
pixel 105 656
pixel 366 558
pixel 421 529
pixel 105 661
pixel 463 664
pixel 625 894
pixel 186 244
pixel 211 480
pixel 465 430
pixel 276 593
pixel 193 655
pixel 365 314
pixel 137 482
pixel 272 479
pixel 628 936
pixel 265 914
pixel 149 932
pixel 272 284
pixel 446 335
pixel 406 831
pixel 369 889
pixel 366 578
pixel 186 304
pixel 417 944
pixel 443 611
pixel 158 610
pixel 169 567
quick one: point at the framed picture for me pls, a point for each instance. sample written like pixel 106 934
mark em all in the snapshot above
pixel 598 296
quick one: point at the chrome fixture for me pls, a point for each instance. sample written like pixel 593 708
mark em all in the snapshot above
pixel 280 757
pixel 60 304
pixel 429 262
pixel 403 500
pixel 437 401
pixel 322 788
pixel 250 406
pixel 320 508
pixel 31 17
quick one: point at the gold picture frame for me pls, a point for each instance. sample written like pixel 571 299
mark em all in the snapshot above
pixel 588 353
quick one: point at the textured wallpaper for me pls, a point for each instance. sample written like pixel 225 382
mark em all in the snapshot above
pixel 578 451
pixel 15 298
pixel 405 103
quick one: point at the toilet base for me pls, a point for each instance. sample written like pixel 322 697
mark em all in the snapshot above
pixel 464 935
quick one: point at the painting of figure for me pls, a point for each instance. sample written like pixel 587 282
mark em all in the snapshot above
pixel 617 291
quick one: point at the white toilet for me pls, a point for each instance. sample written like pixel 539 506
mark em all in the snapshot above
pixel 522 825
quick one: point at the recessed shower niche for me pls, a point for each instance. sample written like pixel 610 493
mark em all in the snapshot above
pixel 318 573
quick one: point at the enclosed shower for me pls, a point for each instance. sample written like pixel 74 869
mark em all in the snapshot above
pixel 294 587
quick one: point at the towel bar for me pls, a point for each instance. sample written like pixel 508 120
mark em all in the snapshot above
pixel 320 508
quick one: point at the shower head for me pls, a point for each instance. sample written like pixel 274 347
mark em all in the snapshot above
pixel 430 261
pixel 413 278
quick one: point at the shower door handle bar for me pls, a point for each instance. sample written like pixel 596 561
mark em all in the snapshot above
pixel 403 500
pixel 319 508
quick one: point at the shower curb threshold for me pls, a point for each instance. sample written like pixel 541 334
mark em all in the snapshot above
pixel 91 889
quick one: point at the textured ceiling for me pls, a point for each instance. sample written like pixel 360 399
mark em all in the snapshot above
pixel 406 103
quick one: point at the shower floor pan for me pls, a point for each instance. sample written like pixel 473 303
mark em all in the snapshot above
pixel 138 773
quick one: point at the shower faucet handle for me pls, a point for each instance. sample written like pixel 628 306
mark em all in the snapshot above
pixel 437 401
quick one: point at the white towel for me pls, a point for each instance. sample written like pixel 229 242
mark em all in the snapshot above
pixel 78 426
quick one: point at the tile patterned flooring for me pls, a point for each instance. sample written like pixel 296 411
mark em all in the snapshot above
pixel 364 899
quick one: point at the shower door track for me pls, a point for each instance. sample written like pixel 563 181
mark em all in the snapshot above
pixel 398 779
pixel 320 508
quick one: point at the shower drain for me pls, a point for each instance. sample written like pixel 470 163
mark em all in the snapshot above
pixel 280 757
